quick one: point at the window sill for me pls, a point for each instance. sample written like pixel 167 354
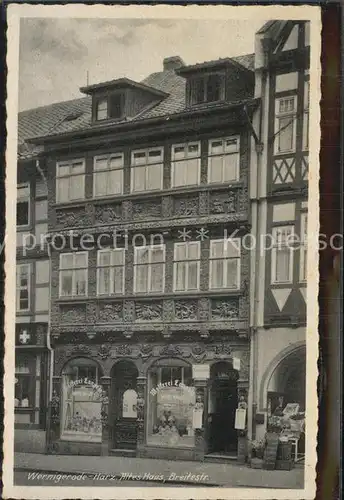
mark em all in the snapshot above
pixel 70 204
pixel 285 153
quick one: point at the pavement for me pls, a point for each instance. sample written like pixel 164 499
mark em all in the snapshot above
pixel 102 470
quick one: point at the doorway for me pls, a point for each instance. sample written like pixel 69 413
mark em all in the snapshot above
pixel 223 437
pixel 123 406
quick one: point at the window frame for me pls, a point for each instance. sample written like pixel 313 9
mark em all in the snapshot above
pixel 223 155
pixel 236 241
pixel 107 157
pixel 174 162
pixel 73 269
pixel 19 288
pixel 111 268
pixel 31 376
pixel 186 261
pixel 24 198
pixel 278 116
pixel 274 249
pixel 69 163
pixel 303 247
pixel 305 129
pixel 144 166
pixel 204 79
pixel 149 264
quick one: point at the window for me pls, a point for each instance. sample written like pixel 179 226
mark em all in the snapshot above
pixel 23 204
pixel 186 266
pixel 149 269
pixel 110 272
pixel 73 274
pixel 108 175
pixel 303 247
pixel 224 264
pixel 285 124
pixel 305 137
pixel 186 164
pixel 102 109
pixel 81 401
pixel 171 404
pixel 147 170
pixel 282 254
pixel 209 88
pixel 23 287
pixel 224 157
pixel 25 381
pixel 70 181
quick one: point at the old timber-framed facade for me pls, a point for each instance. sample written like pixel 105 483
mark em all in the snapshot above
pixel 157 323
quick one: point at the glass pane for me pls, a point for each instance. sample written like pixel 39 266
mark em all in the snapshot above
pixel 23 191
pixel 118 280
pixel 66 278
pixel 118 257
pixel 282 265
pixel 157 254
pixel 141 278
pixel 76 187
pixel 142 254
pixel 193 150
pixel 179 152
pixel 104 258
pixel 193 276
pixel 22 213
pixel 80 282
pixel 154 177
pixel 216 147
pixel 154 156
pixel 100 183
pixel 180 252
pixel 230 167
pixel 139 174
pixel 232 248
pixel 139 158
pixel 80 260
pixel 116 161
pixel 104 280
pixel 215 174
pixel 217 274
pixel 216 249
pixel 157 276
pixel 232 273
pixel 166 374
pixel 63 170
pixel 193 250
pixel 66 261
pixel 180 270
pixel 101 164
pixel 115 182
pixel 78 168
pixel 213 88
pixel 231 145
pixel 192 172
pixel 285 134
pixel 179 173
pixel 62 189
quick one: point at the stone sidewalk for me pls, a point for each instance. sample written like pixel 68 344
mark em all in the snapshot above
pixel 164 471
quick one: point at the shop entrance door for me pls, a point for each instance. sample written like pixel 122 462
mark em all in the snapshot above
pixel 223 437
pixel 123 406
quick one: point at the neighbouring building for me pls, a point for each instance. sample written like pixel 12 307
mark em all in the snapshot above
pixel 279 200
pixel 148 199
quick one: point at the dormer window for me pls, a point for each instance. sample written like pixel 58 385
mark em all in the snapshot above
pixel 109 107
pixel 208 88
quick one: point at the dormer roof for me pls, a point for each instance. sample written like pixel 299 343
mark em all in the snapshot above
pixel 120 84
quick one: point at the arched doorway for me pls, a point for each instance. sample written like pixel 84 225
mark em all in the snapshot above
pixel 123 400
pixel 222 404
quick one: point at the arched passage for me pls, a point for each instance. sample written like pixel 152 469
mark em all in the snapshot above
pixel 123 410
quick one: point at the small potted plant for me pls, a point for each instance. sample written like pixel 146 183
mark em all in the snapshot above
pixel 257 453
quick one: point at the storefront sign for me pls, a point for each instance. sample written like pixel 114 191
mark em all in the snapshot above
pixel 201 372
pixel 240 419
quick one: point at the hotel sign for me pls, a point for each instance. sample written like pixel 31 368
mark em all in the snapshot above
pixel 201 372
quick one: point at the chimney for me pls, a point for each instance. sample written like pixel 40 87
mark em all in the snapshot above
pixel 174 62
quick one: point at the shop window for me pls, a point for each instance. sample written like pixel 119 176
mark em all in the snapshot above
pixel 73 274
pixel 171 405
pixel 23 204
pixel 282 254
pixel 149 269
pixel 223 160
pixel 25 381
pixel 186 267
pixel 81 401
pixel 110 271
pixel 186 164
pixel 23 287
pixel 108 175
pixel 224 264
pixel 285 124
pixel 147 170
pixel 70 181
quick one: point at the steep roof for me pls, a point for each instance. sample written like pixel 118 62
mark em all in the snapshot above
pixel 75 115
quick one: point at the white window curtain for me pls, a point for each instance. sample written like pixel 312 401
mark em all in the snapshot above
pixel 282 254
pixel 186 164
pixel 73 274
pixel 70 181
pixel 186 266
pixel 23 287
pixel 224 158
pixel 147 170
pixel 149 269
pixel 110 271
pixel 285 124
pixel 225 264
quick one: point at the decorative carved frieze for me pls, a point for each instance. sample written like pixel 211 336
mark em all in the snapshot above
pixel 104 351
pixel 186 207
pixel 73 218
pixel 185 309
pixel 223 202
pixel 110 311
pixel 146 210
pixel 148 311
pixel 222 349
pixel 72 313
pixel 146 350
pixel 106 214
pixel 171 350
pixel 123 350
pixel 224 309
